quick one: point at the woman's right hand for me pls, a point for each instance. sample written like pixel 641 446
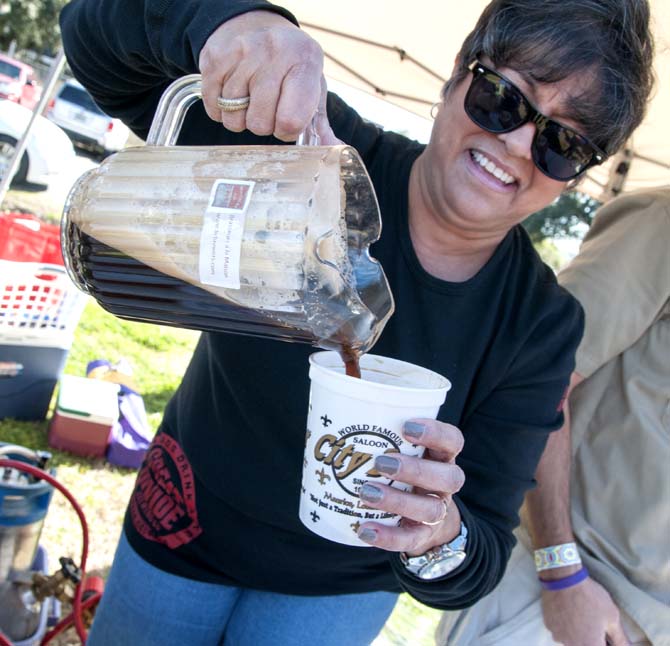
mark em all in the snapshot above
pixel 264 56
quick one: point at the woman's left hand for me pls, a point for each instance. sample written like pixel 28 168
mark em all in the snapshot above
pixel 429 515
pixel 279 67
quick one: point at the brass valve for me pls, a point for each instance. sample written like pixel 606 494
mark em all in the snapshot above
pixel 60 584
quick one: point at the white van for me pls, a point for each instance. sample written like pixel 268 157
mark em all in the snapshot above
pixel 74 110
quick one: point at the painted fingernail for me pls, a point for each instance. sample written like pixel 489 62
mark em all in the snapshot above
pixel 368 535
pixel 370 493
pixel 413 430
pixel 387 464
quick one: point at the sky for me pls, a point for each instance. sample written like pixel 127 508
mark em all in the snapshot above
pixel 387 115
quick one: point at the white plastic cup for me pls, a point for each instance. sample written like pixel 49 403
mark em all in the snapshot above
pixel 350 422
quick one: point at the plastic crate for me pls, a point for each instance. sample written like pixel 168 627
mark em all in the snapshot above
pixel 37 298
pixel 39 311
pixel 28 376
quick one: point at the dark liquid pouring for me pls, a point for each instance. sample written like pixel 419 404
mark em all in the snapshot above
pixel 351 362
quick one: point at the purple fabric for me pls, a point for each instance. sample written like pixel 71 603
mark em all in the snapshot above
pixel 97 363
pixel 566 582
pixel 130 436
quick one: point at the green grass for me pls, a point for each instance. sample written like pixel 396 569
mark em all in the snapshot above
pixel 157 355
pixel 410 624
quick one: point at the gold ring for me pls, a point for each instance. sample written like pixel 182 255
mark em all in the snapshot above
pixel 233 105
pixel 445 502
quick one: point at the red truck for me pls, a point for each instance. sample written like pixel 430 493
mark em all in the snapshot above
pixel 18 83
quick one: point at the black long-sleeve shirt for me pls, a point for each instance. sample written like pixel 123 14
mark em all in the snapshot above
pixel 231 444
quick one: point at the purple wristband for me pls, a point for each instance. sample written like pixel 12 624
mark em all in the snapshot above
pixel 566 582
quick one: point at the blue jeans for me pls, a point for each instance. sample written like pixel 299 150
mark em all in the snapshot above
pixel 145 606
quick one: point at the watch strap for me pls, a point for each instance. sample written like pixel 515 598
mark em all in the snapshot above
pixel 442 558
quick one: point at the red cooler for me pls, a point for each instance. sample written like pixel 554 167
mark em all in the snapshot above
pixel 85 413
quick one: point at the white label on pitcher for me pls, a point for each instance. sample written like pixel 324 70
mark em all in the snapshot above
pixel 222 230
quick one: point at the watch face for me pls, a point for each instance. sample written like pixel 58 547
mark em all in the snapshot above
pixel 441 566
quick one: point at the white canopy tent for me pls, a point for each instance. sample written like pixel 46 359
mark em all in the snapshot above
pixel 403 51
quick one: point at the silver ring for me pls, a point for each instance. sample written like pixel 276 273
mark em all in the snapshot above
pixel 445 502
pixel 233 105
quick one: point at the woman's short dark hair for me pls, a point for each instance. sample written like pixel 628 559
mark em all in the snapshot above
pixel 610 40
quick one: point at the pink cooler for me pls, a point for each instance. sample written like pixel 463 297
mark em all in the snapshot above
pixel 85 413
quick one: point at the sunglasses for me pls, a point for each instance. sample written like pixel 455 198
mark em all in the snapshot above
pixel 496 105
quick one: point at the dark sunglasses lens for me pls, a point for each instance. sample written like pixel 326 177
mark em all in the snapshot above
pixel 561 153
pixel 493 104
pixel 496 105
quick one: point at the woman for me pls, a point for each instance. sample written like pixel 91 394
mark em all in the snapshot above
pixel 527 111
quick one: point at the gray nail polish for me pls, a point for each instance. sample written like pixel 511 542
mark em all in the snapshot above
pixel 370 493
pixel 413 430
pixel 367 535
pixel 387 464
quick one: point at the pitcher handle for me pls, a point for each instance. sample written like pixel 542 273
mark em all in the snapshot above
pixel 179 96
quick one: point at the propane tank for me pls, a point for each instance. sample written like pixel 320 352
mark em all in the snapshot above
pixel 23 505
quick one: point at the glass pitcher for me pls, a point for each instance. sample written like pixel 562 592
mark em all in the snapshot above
pixel 270 241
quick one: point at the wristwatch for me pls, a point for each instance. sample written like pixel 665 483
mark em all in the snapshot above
pixel 438 561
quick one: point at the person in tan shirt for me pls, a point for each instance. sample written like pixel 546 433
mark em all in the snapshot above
pixel 613 502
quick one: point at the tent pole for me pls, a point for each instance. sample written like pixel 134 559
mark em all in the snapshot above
pixel 54 73
pixel 618 174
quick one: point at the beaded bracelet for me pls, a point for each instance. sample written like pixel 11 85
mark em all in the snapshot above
pixel 548 558
pixel 567 581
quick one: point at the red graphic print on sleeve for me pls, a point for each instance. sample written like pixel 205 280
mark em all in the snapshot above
pixel 163 504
